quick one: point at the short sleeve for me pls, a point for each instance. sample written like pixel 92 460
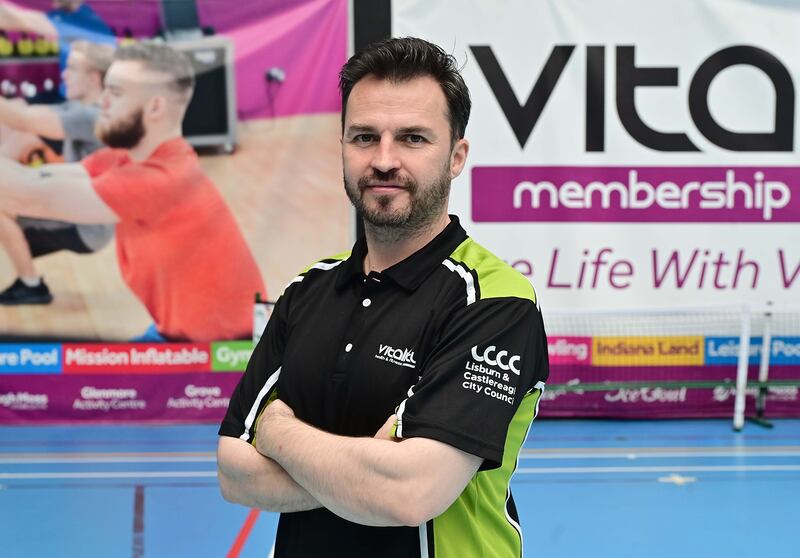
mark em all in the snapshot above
pixel 490 355
pixel 102 160
pixel 78 120
pixel 83 23
pixel 137 191
pixel 258 385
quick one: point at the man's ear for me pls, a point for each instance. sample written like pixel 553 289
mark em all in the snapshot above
pixel 458 157
pixel 156 108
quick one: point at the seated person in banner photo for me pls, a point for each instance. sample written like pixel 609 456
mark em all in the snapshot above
pixel 179 248
pixel 72 122
pixel 68 21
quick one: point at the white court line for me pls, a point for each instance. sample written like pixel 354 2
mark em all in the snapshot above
pixel 676 469
pixel 118 475
pixel 524 470
pixel 648 453
pixel 86 459
pixel 660 455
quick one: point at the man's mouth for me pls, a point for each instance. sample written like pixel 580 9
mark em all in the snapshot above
pixel 385 188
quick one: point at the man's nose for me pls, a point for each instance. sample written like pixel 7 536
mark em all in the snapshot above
pixel 386 154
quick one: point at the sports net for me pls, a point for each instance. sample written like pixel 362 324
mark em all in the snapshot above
pixel 657 363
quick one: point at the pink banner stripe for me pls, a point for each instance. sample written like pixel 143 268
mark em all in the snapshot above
pixel 26 399
pixel 636 194
pixel 569 350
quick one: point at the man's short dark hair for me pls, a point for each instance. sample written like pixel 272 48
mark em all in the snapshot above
pixel 402 59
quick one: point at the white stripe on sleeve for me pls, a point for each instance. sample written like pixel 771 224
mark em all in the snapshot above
pixel 251 416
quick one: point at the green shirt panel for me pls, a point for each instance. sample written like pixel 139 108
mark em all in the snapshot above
pixel 496 279
pixel 476 525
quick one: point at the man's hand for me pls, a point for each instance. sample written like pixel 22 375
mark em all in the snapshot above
pixel 247 477
pixel 277 409
pixel 386 432
pixel 16 145
pixel 268 430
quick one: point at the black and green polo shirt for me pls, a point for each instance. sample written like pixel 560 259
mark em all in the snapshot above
pixel 451 339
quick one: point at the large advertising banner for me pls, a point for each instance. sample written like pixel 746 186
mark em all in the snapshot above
pixel 634 155
pixel 217 230
pixel 133 318
pixel 628 154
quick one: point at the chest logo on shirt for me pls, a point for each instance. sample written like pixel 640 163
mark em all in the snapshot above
pixel 493 357
pixel 401 357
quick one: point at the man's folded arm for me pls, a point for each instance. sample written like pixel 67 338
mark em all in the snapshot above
pixel 246 477
pixel 368 480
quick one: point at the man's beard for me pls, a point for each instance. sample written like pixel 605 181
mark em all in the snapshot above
pixel 124 134
pixel 426 204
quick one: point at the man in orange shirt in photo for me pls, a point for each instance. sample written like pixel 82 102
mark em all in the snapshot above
pixel 179 248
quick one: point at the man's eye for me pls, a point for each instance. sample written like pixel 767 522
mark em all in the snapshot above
pixel 414 138
pixel 364 138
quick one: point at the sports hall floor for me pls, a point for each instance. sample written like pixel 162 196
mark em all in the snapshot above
pixel 671 489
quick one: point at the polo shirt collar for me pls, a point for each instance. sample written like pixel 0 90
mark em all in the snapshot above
pixel 412 271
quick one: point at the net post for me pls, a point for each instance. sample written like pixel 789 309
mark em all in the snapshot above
pixel 262 310
pixel 763 368
pixel 741 370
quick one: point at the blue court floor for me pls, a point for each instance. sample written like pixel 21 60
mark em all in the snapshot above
pixel 659 489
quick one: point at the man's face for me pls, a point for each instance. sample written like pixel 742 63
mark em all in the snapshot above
pixel 122 104
pixel 78 75
pixel 396 152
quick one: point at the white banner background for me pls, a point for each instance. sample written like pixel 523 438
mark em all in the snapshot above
pixel 679 34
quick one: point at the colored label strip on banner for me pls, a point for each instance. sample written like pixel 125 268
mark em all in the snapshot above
pixel 38 358
pixel 648 351
pixel 89 358
pixel 230 356
pixel 233 356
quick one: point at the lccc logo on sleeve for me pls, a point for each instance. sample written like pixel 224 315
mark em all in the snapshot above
pixel 493 357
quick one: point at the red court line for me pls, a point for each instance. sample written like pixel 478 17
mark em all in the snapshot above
pixel 138 522
pixel 244 532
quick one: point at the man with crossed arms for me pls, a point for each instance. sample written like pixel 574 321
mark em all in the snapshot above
pixel 418 323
